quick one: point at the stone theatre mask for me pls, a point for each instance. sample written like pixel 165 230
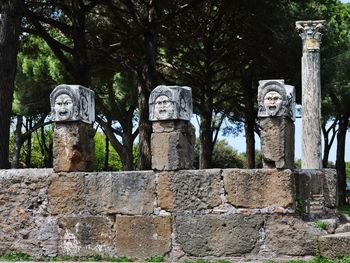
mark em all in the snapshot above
pixel 276 99
pixel 72 103
pixel 170 103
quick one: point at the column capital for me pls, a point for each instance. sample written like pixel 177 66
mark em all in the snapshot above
pixel 311 32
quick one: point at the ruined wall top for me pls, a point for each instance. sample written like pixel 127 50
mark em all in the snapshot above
pixel 72 103
pixel 276 99
pixel 170 103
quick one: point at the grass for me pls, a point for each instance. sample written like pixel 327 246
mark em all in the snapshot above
pixel 320 225
pixel 206 261
pixel 19 256
pixel 155 259
pixel 344 209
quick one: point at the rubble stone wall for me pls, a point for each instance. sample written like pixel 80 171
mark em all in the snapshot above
pixel 178 214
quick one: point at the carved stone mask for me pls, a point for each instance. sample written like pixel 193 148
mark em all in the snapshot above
pixel 63 107
pixel 273 102
pixel 164 108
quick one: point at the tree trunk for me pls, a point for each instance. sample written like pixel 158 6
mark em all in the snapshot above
pixel 28 158
pixel 10 23
pixel 328 142
pixel 206 140
pixel 249 116
pixel 145 128
pixel 18 143
pixel 340 163
pixel 148 80
pixel 128 142
pixel 105 166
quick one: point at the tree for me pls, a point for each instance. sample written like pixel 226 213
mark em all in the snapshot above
pixel 202 57
pixel 38 72
pixel 10 22
pixel 336 81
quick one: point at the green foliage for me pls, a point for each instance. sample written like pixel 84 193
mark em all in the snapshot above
pixel 114 162
pixel 320 224
pixel 19 256
pixel 344 209
pixel 300 205
pixel 224 156
pixel 207 261
pixel 347 170
pixel 15 256
pixel 38 71
pixel 155 259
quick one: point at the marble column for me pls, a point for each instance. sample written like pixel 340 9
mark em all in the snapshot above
pixel 311 34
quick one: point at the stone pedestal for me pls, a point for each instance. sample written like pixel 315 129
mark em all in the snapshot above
pixel 277 142
pixel 73 147
pixel 172 145
pixel 276 113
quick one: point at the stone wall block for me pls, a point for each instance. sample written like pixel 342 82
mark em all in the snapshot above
pixel 143 236
pixel 218 235
pixel 189 190
pixel 86 236
pixel 73 147
pixel 330 187
pixel 288 235
pixel 66 193
pixel 332 246
pixel 316 184
pixel 259 188
pixel 130 193
pixel 24 213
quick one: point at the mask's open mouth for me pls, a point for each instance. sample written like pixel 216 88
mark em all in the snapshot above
pixel 63 113
pixel 272 108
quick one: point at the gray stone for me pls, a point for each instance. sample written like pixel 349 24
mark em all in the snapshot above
pixel 343 228
pixel 277 142
pixel 143 236
pixel 130 193
pixel 218 235
pixel 311 34
pixel 73 147
pixel 287 235
pixel 72 103
pixel 189 190
pixel 332 246
pixel 173 150
pixel 259 188
pixel 86 236
pixel 170 103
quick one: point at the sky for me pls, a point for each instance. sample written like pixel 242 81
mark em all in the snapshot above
pixel 239 144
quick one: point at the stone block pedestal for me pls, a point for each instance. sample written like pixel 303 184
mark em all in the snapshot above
pixel 277 142
pixel 172 145
pixel 73 147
